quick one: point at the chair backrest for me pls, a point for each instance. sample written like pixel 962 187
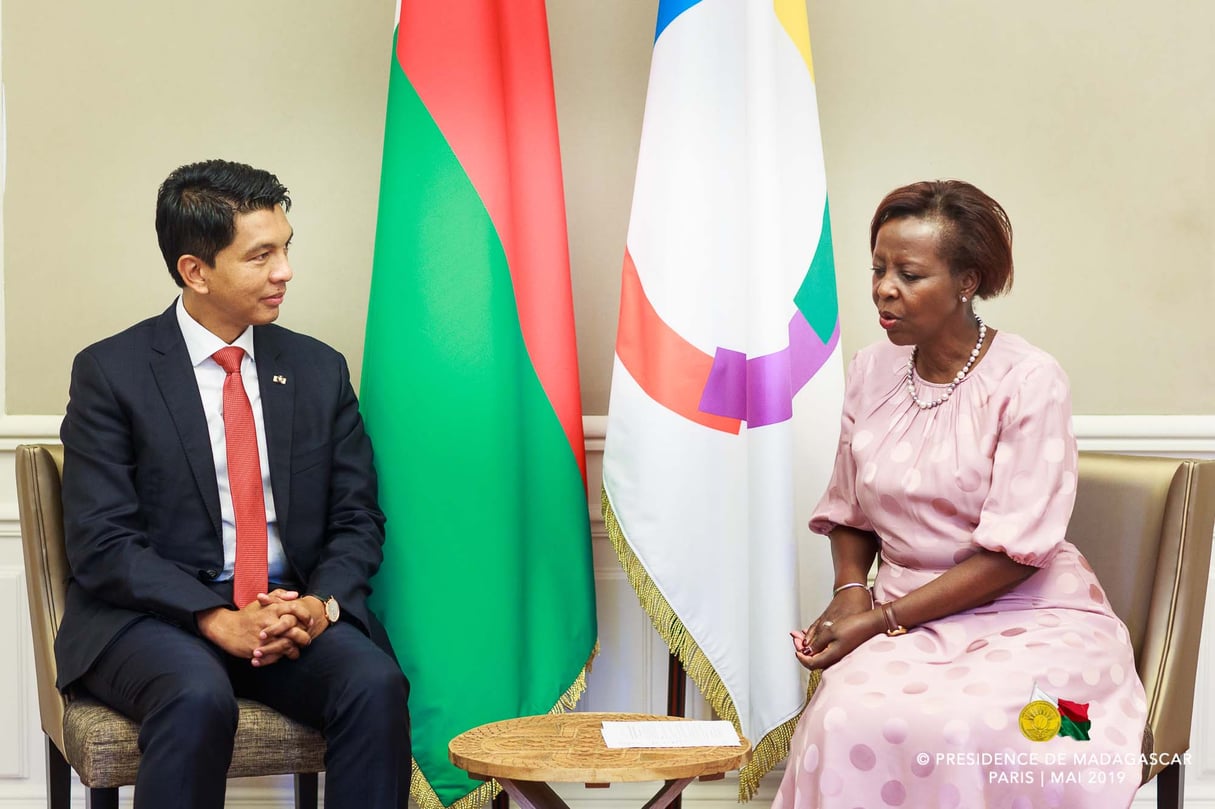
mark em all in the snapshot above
pixel 40 501
pixel 1145 525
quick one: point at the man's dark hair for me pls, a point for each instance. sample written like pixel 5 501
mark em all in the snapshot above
pixel 196 208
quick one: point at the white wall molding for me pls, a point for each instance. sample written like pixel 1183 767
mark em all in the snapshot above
pixel 1144 434
pixel 1165 435
pixel 1188 435
pixel 16 430
pixel 1172 433
pixel 17 679
pixel 630 674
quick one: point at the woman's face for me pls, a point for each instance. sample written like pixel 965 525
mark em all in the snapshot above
pixel 913 289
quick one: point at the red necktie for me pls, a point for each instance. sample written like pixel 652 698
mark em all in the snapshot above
pixel 244 481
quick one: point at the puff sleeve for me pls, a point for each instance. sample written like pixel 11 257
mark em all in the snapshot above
pixel 1033 484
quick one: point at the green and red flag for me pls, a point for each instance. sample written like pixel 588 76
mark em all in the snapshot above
pixel 1073 716
pixel 470 385
pixel 1074 721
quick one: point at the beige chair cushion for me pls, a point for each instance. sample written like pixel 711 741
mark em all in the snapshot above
pixel 103 745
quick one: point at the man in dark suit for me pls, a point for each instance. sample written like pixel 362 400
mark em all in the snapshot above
pixel 172 511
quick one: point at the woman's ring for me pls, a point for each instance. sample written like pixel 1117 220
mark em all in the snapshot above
pixel 828 624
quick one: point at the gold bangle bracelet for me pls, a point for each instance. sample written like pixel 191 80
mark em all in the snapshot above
pixel 893 628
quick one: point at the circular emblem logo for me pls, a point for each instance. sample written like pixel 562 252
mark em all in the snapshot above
pixel 1040 721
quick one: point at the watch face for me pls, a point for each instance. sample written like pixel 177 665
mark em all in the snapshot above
pixel 332 612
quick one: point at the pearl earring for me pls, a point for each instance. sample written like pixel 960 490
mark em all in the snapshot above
pixel 963 299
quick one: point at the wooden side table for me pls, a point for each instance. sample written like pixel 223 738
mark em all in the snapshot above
pixel 524 755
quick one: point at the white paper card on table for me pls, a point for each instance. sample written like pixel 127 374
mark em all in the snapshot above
pixel 694 733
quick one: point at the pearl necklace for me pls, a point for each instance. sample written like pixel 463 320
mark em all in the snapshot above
pixel 974 355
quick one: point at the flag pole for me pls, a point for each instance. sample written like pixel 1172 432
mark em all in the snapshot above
pixel 677 701
pixel 677 688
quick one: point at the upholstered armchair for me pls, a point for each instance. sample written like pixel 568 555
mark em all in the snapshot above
pixel 88 737
pixel 1145 523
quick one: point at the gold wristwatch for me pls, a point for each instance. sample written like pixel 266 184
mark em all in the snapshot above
pixel 332 610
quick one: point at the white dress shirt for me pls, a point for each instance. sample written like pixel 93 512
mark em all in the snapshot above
pixel 201 344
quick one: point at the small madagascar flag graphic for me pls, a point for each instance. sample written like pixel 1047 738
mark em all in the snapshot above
pixel 1073 716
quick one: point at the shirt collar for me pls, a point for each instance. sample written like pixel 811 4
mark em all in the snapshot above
pixel 201 343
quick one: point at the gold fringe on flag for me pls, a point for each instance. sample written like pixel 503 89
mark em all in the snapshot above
pixel 424 795
pixel 774 746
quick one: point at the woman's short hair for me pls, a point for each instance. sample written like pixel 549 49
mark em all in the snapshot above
pixel 975 233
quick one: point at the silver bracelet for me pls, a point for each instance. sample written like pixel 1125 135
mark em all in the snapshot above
pixel 844 587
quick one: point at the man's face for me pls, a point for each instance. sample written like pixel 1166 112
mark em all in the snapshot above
pixel 246 285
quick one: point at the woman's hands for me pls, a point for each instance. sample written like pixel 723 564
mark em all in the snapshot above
pixel 848 621
pixel 850 618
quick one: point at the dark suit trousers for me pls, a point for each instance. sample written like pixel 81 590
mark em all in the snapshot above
pixel 182 690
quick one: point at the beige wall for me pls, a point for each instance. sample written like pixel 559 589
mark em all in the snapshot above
pixel 1091 120
pixel 104 99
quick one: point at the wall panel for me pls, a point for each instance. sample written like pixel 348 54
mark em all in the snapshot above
pixel 629 674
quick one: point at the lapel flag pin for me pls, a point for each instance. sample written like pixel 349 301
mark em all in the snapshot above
pixel 279 379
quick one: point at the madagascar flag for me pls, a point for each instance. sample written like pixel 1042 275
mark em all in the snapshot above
pixel 1073 716
pixel 1074 721
pixel 470 386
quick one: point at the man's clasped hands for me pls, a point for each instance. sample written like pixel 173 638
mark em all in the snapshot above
pixel 278 624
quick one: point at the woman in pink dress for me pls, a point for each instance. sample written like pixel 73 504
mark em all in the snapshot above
pixel 985 668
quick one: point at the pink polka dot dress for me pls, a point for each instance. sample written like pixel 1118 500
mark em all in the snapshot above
pixel 931 718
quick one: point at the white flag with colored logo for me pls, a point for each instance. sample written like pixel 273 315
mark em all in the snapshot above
pixel 727 384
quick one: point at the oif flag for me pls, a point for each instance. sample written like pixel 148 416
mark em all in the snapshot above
pixel 727 385
pixel 470 385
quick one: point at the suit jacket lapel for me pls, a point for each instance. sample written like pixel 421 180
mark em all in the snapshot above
pixel 175 378
pixel 276 381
